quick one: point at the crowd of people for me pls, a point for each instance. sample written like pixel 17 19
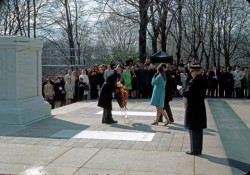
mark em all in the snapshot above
pixel 225 82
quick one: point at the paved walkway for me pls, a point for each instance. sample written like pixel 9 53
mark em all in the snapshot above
pixel 74 141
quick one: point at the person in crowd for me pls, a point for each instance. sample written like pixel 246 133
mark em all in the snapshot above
pixel 134 82
pixel 60 74
pixel 81 89
pixel 62 81
pixel 85 78
pixel 178 81
pixel 247 82
pixel 127 79
pixel 72 78
pixel 69 91
pixel 139 72
pixel 92 74
pixel 105 100
pixel 59 92
pixel 100 80
pixel 168 94
pixel 173 80
pixel 147 62
pixel 76 90
pixel 238 76
pixel 181 64
pixel 45 82
pixel 195 115
pixel 49 93
pixel 222 82
pixel 184 78
pixel 151 73
pixel 109 68
pixel 196 62
pixel 229 83
pixel 103 67
pixel 158 96
pixel 129 61
pixel 144 81
pixel 214 81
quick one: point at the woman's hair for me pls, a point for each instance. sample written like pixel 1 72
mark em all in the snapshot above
pixel 160 70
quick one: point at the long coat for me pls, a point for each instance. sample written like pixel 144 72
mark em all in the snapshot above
pixel 108 87
pixel 69 90
pixel 48 92
pixel 158 96
pixel 168 89
pixel 195 114
pixel 238 76
pixel 126 76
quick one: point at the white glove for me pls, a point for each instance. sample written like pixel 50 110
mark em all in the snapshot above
pixel 179 87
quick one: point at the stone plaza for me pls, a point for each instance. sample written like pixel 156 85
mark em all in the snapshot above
pixel 73 141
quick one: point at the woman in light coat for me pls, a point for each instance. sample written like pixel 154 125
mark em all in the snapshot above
pixel 85 78
pixel 69 91
pixel 49 92
pixel 158 96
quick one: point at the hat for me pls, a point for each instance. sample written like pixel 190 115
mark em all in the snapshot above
pixel 195 67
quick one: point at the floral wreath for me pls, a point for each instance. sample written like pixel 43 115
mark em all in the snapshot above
pixel 121 94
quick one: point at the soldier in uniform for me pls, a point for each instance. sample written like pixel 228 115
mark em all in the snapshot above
pixel 105 100
pixel 195 113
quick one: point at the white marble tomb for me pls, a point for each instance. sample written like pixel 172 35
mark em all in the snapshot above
pixel 21 100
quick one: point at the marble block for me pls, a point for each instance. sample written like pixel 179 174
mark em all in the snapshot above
pixel 21 100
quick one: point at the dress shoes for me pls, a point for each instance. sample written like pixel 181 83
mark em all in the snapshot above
pixel 193 153
pixel 111 121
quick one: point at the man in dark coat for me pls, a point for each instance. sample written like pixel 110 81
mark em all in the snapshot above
pixel 168 94
pixel 105 100
pixel 214 77
pixel 195 114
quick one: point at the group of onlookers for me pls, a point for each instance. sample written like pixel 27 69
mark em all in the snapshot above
pixel 228 82
pixel 66 89
pixel 75 86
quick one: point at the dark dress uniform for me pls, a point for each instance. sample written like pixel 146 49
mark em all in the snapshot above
pixel 195 113
pixel 105 100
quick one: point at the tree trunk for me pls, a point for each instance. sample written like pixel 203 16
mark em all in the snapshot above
pixel 70 33
pixel 18 19
pixel 163 32
pixel 28 7
pixel 35 15
pixel 155 31
pixel 178 46
pixel 227 59
pixel 143 6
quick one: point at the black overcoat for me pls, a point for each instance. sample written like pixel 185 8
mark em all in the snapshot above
pixel 195 114
pixel 168 88
pixel 108 87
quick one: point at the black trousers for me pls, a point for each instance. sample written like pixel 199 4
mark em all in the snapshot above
pixel 107 115
pixel 196 139
pixel 168 111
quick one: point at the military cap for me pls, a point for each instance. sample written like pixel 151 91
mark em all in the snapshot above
pixel 195 67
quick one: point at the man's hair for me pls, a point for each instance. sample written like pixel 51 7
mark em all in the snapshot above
pixel 163 65
pixel 120 65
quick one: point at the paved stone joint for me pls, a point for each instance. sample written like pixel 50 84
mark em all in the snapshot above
pixel 50 146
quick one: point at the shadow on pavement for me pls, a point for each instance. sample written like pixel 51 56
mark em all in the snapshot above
pixel 43 129
pixel 138 127
pixel 180 127
pixel 242 166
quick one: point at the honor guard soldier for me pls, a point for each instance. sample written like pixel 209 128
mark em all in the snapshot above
pixel 195 114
